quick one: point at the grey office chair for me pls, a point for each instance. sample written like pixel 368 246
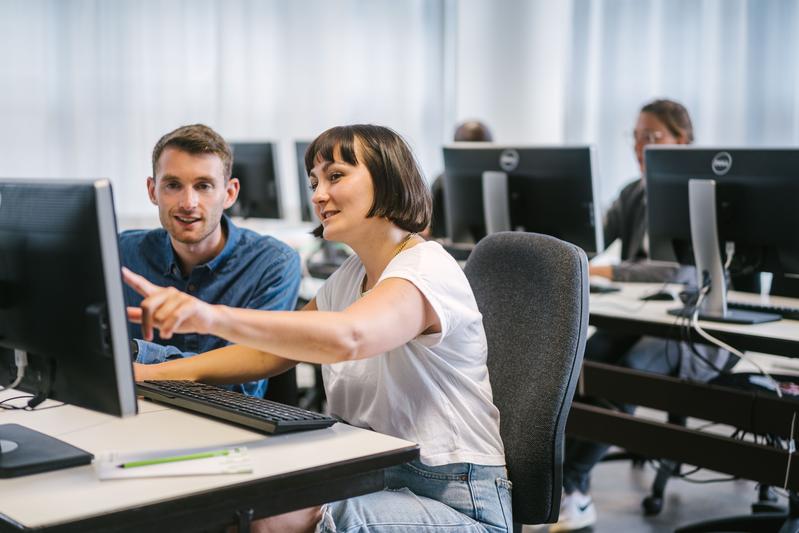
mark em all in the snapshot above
pixel 533 293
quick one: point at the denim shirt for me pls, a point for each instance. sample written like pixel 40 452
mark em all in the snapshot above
pixel 253 271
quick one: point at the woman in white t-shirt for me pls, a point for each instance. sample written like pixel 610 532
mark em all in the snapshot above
pixel 398 332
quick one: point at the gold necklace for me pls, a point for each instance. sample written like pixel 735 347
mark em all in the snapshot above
pixel 402 244
pixel 400 247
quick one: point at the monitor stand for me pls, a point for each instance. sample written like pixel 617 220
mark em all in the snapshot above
pixel 495 201
pixel 24 451
pixel 707 257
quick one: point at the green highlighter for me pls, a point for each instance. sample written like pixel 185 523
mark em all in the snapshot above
pixel 174 459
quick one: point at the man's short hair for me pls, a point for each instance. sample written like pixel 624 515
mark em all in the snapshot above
pixel 472 131
pixel 196 139
pixel 400 191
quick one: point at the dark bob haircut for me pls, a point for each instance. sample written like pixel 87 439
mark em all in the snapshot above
pixel 400 192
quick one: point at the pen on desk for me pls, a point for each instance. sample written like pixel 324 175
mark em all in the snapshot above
pixel 173 459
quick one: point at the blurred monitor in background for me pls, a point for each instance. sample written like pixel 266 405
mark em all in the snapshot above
pixel 469 131
pixel 541 189
pixel 255 166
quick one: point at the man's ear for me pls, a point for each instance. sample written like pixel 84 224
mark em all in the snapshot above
pixel 151 190
pixel 231 192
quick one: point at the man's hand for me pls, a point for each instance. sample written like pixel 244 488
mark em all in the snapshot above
pixel 167 309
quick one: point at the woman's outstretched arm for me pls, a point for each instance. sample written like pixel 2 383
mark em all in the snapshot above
pixel 391 314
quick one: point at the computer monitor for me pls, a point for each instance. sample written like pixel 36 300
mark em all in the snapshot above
pixel 550 190
pixel 306 207
pixel 745 196
pixel 255 166
pixel 61 305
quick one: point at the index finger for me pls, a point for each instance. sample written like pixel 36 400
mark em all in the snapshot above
pixel 138 283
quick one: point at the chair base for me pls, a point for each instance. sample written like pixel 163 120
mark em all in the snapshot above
pixel 756 523
pixel 653 503
pixel 784 522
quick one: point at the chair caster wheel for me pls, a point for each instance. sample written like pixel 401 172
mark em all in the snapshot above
pixel 652 505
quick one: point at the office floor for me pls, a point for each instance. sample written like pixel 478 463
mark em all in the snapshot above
pixel 618 489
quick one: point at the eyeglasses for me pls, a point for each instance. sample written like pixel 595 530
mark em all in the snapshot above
pixel 648 136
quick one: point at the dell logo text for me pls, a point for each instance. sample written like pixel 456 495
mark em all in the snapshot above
pixel 721 164
pixel 509 160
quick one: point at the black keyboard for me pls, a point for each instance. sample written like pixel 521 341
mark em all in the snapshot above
pixel 791 313
pixel 255 413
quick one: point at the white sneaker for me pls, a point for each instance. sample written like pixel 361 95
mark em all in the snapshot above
pixel 576 512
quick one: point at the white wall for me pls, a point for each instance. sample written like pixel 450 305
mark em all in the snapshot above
pixel 510 68
pixel 578 71
pixel 88 86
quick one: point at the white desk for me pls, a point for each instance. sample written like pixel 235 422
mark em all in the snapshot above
pixel 751 411
pixel 290 471
pixel 625 311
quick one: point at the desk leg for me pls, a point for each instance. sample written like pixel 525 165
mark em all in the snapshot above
pixel 245 519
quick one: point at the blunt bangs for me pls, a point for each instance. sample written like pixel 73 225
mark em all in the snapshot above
pixel 400 192
pixel 324 147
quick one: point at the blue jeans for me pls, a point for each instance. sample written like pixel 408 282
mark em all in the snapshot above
pixel 454 498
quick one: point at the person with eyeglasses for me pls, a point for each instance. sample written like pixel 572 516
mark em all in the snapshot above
pixel 659 122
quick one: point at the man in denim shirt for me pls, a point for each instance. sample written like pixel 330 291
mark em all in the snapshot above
pixel 199 250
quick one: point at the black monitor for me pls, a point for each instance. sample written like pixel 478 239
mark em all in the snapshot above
pixel 747 196
pixel 548 190
pixel 306 207
pixel 255 166
pixel 61 307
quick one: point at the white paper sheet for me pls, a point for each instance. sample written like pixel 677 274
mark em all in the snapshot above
pixel 235 461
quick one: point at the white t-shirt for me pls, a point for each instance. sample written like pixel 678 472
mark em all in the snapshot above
pixel 434 390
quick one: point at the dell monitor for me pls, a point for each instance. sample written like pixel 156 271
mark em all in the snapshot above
pixel 255 166
pixel 550 190
pixel 704 202
pixel 306 206
pixel 62 309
